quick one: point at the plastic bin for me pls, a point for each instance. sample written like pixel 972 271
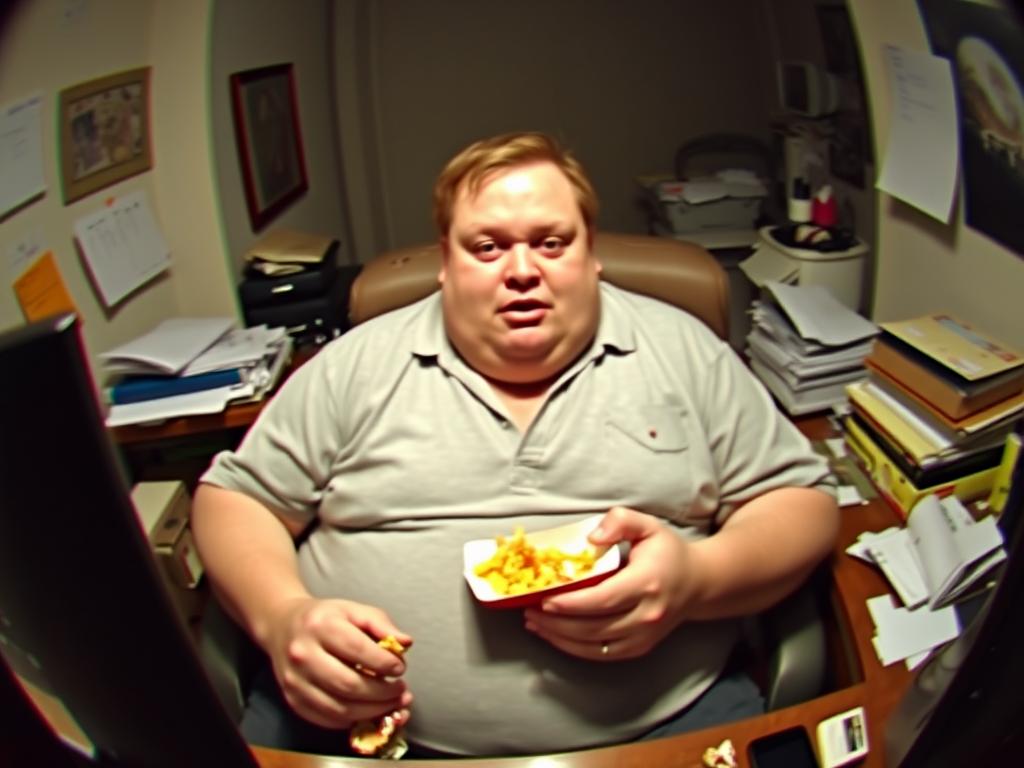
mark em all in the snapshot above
pixel 842 272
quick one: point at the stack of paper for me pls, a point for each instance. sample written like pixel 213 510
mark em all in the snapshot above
pixel 169 347
pixel 190 366
pixel 939 556
pixel 806 346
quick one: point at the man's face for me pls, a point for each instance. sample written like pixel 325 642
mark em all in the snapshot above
pixel 519 282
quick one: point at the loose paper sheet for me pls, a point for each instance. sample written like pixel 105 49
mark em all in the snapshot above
pixel 169 347
pixel 21 155
pixel 123 246
pixel 902 633
pixel 923 153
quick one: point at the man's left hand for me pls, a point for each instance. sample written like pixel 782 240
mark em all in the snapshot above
pixel 629 613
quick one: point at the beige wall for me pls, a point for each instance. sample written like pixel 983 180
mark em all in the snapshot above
pixel 246 34
pixel 924 265
pixel 48 45
pixel 623 84
pixel 620 83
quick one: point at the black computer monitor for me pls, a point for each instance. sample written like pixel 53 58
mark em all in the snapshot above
pixel 965 705
pixel 82 607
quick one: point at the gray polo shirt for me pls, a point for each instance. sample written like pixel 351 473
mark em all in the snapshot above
pixel 402 453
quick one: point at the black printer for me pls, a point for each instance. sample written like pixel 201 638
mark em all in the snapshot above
pixel 293 280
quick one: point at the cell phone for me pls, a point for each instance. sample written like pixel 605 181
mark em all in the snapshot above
pixel 790 748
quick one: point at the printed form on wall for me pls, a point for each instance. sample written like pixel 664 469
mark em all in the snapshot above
pixel 21 154
pixel 123 247
pixel 922 154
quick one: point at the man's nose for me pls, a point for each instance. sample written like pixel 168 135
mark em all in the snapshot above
pixel 522 264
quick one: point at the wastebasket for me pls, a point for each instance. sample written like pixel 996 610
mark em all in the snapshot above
pixel 840 271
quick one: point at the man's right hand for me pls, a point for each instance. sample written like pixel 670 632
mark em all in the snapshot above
pixel 318 647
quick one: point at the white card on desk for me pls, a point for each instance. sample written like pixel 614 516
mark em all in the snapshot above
pixel 901 633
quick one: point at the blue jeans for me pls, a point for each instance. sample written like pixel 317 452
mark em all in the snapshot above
pixel 269 722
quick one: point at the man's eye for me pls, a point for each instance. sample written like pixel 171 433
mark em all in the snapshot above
pixel 552 245
pixel 487 248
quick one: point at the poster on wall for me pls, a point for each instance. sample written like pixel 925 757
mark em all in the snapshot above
pixel 985 45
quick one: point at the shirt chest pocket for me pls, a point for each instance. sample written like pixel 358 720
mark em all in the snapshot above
pixel 656 428
pixel 646 459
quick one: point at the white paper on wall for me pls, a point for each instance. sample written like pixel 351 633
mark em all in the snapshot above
pixel 123 246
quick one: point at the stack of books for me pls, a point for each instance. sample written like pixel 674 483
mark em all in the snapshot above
pixel 806 347
pixel 190 366
pixel 935 412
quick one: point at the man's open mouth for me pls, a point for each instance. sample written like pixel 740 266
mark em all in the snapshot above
pixel 524 312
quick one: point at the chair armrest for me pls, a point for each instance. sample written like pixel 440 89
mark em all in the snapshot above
pixel 797 655
pixel 229 657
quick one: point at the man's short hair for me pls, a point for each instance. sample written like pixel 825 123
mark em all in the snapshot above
pixel 470 167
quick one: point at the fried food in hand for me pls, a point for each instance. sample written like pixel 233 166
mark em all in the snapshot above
pixel 380 737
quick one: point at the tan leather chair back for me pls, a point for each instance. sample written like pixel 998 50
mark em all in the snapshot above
pixel 683 274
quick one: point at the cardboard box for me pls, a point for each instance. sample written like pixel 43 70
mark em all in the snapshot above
pixel 163 510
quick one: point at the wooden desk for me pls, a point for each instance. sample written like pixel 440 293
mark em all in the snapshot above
pixel 878 690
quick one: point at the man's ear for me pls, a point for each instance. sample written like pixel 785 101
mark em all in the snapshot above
pixel 444 259
pixel 590 247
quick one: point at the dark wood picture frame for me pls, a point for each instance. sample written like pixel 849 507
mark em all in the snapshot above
pixel 269 140
pixel 104 132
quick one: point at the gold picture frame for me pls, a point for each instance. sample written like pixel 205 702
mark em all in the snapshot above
pixel 104 132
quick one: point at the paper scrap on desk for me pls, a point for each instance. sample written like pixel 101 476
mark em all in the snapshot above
pixel 922 153
pixel 849 496
pixel 21 148
pixel 902 633
pixel 123 246
pixel 860 548
pixel 41 290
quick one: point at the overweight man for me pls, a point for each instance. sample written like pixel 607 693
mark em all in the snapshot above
pixel 526 392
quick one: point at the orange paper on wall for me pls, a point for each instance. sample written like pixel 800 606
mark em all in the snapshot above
pixel 41 291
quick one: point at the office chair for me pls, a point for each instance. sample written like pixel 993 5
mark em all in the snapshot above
pixel 790 634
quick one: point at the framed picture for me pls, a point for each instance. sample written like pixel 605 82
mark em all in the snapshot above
pixel 269 140
pixel 104 132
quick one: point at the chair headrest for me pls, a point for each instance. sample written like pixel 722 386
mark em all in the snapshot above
pixel 680 273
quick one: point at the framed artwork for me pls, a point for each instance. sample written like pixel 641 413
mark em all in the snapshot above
pixel 104 132
pixel 269 140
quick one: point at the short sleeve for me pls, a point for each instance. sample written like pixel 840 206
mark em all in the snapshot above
pixel 285 459
pixel 755 447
